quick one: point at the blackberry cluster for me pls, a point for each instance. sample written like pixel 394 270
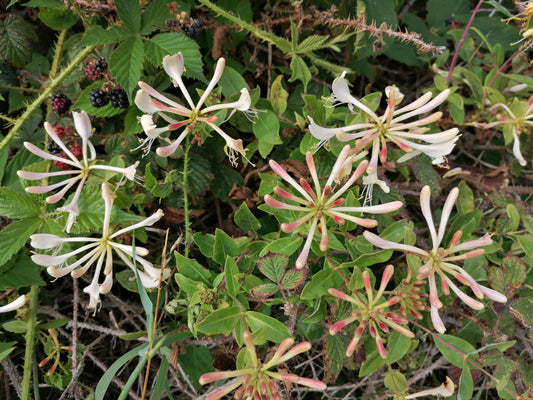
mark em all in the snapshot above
pixel 119 98
pixel 171 23
pixel 76 150
pixel 193 30
pixel 61 165
pixel 53 148
pixel 64 130
pixel 100 65
pixel 60 103
pixel 94 71
pixel 98 98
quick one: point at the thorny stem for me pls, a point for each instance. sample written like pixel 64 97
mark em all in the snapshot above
pixel 76 289
pixel 188 237
pixel 460 44
pixel 52 85
pixel 30 342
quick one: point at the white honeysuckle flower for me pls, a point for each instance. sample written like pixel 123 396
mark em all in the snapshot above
pixel 446 389
pixel 318 204
pixel 152 102
pixel 81 169
pixel 99 251
pixel 441 262
pixel 14 305
pixel 392 126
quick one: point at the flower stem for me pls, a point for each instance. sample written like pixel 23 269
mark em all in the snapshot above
pixel 30 342
pixel 188 236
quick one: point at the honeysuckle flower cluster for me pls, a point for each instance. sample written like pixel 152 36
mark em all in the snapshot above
pixel 99 251
pixel 151 102
pixel 372 312
pixel 256 380
pixel 393 126
pixel 81 169
pixel 317 204
pixel 13 305
pixel 441 262
pixel 517 122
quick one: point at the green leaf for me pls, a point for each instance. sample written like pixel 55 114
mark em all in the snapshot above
pixel 16 36
pixel 509 277
pixel 220 321
pixel 465 199
pixel 334 355
pixel 225 179
pixel 245 220
pixel 366 260
pixel 6 348
pixel 126 63
pixel 397 347
pixel 15 326
pixel 466 384
pixel 196 361
pixel 514 216
pixel 129 12
pixel 192 269
pixel 320 283
pixel 449 345
pixel 373 360
pixel 165 44
pixel 206 243
pixel 17 205
pixel 395 381
pixel 311 43
pixel 232 82
pixel 224 246
pixel 264 291
pixel 266 128
pixel 276 331
pixel 273 266
pixel 13 237
pixel 293 278
pixel 231 270
pixel 278 96
pixel 58 19
pixel 286 246
pixel 99 36
pixel 155 14
pixel 20 272
pixel 300 71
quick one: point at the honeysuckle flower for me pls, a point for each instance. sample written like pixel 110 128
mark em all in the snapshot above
pixel 81 169
pixel 14 305
pixel 518 120
pixel 392 126
pixel 99 251
pixel 152 102
pixel 318 204
pixel 256 380
pixel 446 389
pixel 372 312
pixel 441 262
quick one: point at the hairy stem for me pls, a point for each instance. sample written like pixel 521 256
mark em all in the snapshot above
pixel 188 236
pixel 30 342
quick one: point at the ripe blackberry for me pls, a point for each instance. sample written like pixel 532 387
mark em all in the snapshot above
pixel 193 30
pixel 53 148
pixel 171 23
pixel 92 73
pixel 100 65
pixel 76 150
pixel 62 165
pixel 119 98
pixel 98 98
pixel 60 103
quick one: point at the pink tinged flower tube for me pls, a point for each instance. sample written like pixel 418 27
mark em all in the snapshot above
pixel 441 262
pixel 316 203
pixel 98 252
pixel 256 381
pixel 178 116
pixel 81 169
pixel 371 312
pixel 392 126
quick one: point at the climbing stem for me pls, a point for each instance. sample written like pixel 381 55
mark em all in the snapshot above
pixel 188 235
pixel 31 327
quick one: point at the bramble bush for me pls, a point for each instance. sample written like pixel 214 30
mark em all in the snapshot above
pixel 266 200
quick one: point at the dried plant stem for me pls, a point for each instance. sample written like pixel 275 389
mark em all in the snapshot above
pixel 384 29
pixel 460 44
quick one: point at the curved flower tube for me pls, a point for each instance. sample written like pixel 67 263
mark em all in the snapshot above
pixel 99 252
pixel 152 102
pixel 441 262
pixel 81 169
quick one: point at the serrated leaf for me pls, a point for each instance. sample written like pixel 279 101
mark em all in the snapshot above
pixel 276 331
pixel 293 278
pixel 273 266
pixel 264 291
pixel 155 14
pixel 334 355
pixel 20 272
pixel 14 236
pixel 58 19
pixel 426 175
pixel 129 12
pixel 509 277
pixel 245 220
pixel 125 63
pixel 278 96
pixel 17 205
pixel 16 36
pixel 220 321
pixel 99 36
pixel 165 44
pixel 224 246
pixel 311 43
pixel 225 179
pixel 300 71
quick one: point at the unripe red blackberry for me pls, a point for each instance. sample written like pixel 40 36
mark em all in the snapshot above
pixel 76 150
pixel 60 103
pixel 92 73
pixel 62 165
